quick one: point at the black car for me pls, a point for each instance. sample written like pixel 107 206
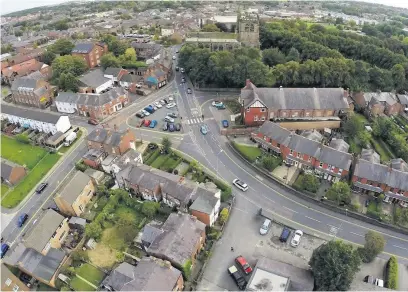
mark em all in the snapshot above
pixel 165 101
pixel 140 115
pixel 165 126
pixel 152 146
pixel 189 90
pixel 237 277
pixel 285 234
pixel 41 187
pixel 178 127
pixel 177 68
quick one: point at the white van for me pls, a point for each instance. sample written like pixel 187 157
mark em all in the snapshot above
pixel 379 282
pixel 265 227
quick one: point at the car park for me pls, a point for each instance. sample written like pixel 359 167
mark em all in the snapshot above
pixel 145 112
pixel 171 105
pixel 140 115
pixel 178 127
pixel 225 123
pixel 285 234
pixel 204 129
pixel 172 115
pixel 153 124
pixel 165 126
pixel 296 238
pixel 169 119
pixel 4 248
pixel 41 188
pixel 237 277
pixel 265 227
pixel 22 219
pixel 158 105
pixel 171 127
pixel 147 123
pixel 93 122
pixel 243 264
pixel 189 90
pixel 240 184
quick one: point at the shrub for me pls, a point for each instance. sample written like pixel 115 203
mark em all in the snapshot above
pixel 149 209
pixel 391 275
pixel 310 183
pixel 226 194
pixel 224 215
pixel 22 138
pixel 186 269
pixel 270 162
pixel 81 166
pixel 93 230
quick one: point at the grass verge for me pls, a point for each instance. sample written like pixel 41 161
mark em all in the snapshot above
pixel 79 285
pixel 249 152
pixel 4 189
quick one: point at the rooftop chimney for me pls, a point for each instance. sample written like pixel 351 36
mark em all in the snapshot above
pixel 281 87
pixel 248 83
pixel 115 127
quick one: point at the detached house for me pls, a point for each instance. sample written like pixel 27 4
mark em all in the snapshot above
pixel 297 104
pixel 331 162
pixel 91 53
pixel 11 173
pixel 111 141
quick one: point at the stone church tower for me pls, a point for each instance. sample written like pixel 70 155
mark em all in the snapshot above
pixel 248 29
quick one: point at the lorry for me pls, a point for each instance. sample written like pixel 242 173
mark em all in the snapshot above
pixel 238 277
pixel 70 138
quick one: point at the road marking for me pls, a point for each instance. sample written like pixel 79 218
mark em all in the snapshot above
pixel 188 122
pixel 356 234
pixel 400 247
pixel 312 219
pixel 259 177
pixel 290 209
pixel 238 209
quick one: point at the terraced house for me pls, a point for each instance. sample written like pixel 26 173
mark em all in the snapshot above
pixel 372 177
pixel 323 105
pixel 330 162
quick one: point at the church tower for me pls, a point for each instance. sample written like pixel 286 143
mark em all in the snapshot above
pixel 248 29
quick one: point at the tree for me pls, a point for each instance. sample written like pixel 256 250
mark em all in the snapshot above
pixel 7 48
pixel 109 60
pixel 270 163
pixel 340 192
pixel 114 45
pixel 48 57
pixel 166 143
pixel 128 58
pixel 373 246
pixel 62 47
pixel 210 28
pixel 68 64
pixel 93 230
pixel 273 56
pixel 150 208
pixel 334 265
pixel 293 55
pixel 391 277
pixel 18 33
pixel 224 216
pixel 353 126
pixel 79 256
pixel 398 75
pixel 68 82
pixel 310 183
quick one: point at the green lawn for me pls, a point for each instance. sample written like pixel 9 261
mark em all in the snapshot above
pixel 23 154
pixel 362 118
pixel 78 285
pixel 249 152
pixel 159 161
pixel 14 197
pixel 4 189
pixel 382 149
pixel 91 274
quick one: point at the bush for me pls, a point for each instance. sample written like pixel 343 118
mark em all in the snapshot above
pixel 22 138
pixel 391 273
pixel 186 269
pixel 224 215
pixel 81 166
pixel 226 195
pixel 309 182
pixel 270 162
pixel 149 209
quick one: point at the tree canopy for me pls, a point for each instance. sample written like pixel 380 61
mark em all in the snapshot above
pixel 373 246
pixel 62 47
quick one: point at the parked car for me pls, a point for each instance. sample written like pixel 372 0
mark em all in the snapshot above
pixel 215 102
pixel 225 123
pixel 153 124
pixel 140 115
pixel 204 129
pixel 171 127
pixel 93 122
pixel 169 119
pixel 379 282
pixel 147 123
pixel 369 279
pixel 177 68
pixel 172 115
pixel 220 106
pixel 4 248
pixel 22 219
pixel 146 113
pixel 163 102
pixel 171 105
pixel 41 188
pixel 240 184
pixel 152 146
pixel 182 70
pixel 171 99
pixel 189 90
pixel 140 123
pixel 183 80
pixel 243 264
pixel 296 238
pixel 149 109
pixel 153 106
pixel 237 277
pixel 158 104
pixel 265 227
pixel 165 126
pixel 178 127
pixel 285 234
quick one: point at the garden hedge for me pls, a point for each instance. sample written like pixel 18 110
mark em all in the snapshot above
pixel 391 273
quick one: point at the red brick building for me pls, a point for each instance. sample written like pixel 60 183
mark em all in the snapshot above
pixel 330 162
pixel 91 53
pixel 111 141
pixel 377 103
pixel 11 73
pixel 263 104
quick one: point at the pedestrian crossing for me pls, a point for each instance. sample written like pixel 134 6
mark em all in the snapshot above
pixel 194 121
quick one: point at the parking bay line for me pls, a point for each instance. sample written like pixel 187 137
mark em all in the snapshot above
pixel 312 219
pixel 356 234
pixel 400 247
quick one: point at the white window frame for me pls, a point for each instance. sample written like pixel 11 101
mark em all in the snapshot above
pixel 309 159
pixel 262 119
pixel 298 155
pixel 321 164
pixel 263 110
pixel 16 288
pixel 8 282
pixel 291 151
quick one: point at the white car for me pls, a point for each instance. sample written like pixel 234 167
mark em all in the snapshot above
pixel 171 99
pixel 240 184
pixel 169 119
pixel 162 102
pixel 153 106
pixel 174 57
pixel 145 112
pixel 296 238
pixel 265 227
pixel 171 105
pixel 158 105
pixel 216 102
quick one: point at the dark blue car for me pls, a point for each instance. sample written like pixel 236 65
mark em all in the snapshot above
pixel 171 127
pixel 149 109
pixel 22 219
pixel 225 123
pixel 4 248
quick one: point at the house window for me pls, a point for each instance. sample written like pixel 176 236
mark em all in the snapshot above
pixel 263 110
pixel 62 235
pixel 309 159
pixel 291 151
pixel 8 282
pixel 321 164
pixel 247 110
pixel 340 171
pixel 15 288
pixel 81 208
pixel 298 155
pixel 256 118
pixel 262 118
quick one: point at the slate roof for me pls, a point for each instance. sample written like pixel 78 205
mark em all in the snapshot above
pixel 150 274
pixel 74 187
pixel 83 48
pixel 94 78
pixel 30 114
pixel 276 132
pixel 205 203
pixel 6 168
pixel 312 135
pixel 403 98
pixel 93 154
pixel 296 98
pixel 25 82
pixel 339 144
pixel 43 230
pixel 107 137
pixel 335 157
pixel 370 155
pixel 181 234
pixel 382 97
pixel 303 145
pixel 89 99
pixel 151 231
pixel 112 71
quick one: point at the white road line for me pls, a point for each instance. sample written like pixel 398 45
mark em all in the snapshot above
pixel 400 247
pixel 195 121
pixel 356 234
pixel 188 122
pixel 289 209
pixel 259 177
pixel 312 219
pixel 235 208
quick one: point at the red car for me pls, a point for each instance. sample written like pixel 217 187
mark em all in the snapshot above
pixel 241 261
pixel 147 123
pixel 140 123
pixel 93 122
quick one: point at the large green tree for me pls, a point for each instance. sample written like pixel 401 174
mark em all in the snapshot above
pixel 48 57
pixel 109 60
pixel 334 265
pixel 273 56
pixel 340 192
pixel 373 246
pixel 68 64
pixel 210 28
pixel 62 47
pixel 68 82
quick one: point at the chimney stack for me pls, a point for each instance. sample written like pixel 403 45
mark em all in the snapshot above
pixel 115 127
pixel 248 83
pixel 281 87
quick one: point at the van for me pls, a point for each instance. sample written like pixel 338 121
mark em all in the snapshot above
pixel 265 227
pixel 379 282
pixel 285 234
